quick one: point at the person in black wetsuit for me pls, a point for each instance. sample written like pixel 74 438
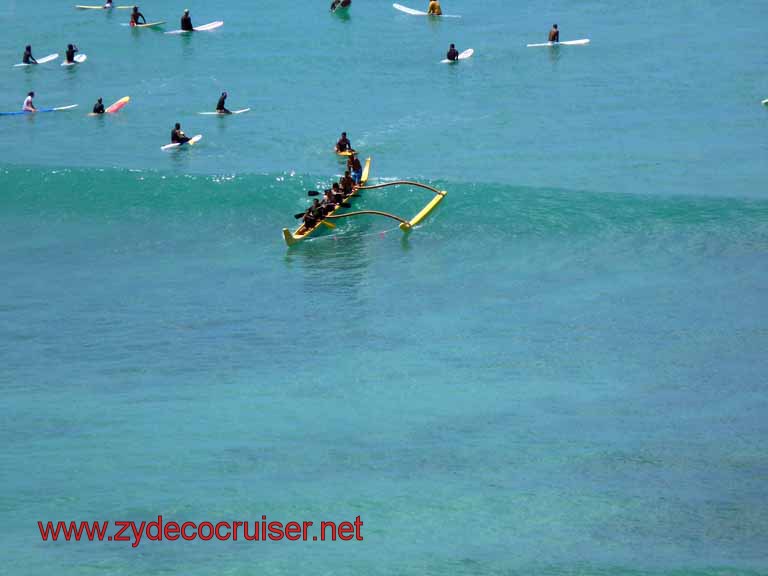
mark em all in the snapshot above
pixel 178 136
pixel 453 54
pixel 554 34
pixel 220 108
pixel 135 15
pixel 186 21
pixel 98 108
pixel 27 58
pixel 71 50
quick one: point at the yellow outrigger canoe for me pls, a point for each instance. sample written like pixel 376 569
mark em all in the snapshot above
pixel 303 232
pixel 405 225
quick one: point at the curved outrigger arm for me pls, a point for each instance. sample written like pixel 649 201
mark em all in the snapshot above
pixel 405 225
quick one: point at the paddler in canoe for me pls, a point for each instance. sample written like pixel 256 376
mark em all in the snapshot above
pixel 135 15
pixel 355 168
pixel 346 184
pixel 314 214
pixel 434 8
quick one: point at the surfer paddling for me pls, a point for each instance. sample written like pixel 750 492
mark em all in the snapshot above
pixel 135 15
pixel 453 54
pixel 554 34
pixel 186 22
pixel 178 136
pixel 434 8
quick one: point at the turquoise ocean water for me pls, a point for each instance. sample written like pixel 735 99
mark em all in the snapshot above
pixel 562 371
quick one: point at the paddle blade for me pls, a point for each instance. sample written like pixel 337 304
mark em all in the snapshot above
pixel 313 193
pixel 329 224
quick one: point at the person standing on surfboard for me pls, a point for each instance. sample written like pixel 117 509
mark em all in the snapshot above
pixel 71 49
pixel 178 136
pixel 434 8
pixel 98 108
pixel 27 58
pixel 220 108
pixel 186 22
pixel 343 144
pixel 554 34
pixel 28 105
pixel 135 15
pixel 453 54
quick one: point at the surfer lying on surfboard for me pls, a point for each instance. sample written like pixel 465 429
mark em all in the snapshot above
pixel 554 34
pixel 135 15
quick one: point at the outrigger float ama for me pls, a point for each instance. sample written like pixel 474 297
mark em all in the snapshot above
pixel 406 226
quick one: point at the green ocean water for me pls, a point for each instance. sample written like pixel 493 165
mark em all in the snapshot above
pixel 562 371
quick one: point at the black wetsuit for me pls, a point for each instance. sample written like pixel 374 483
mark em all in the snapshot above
pixel 453 54
pixel 98 108
pixel 71 54
pixel 135 18
pixel 177 136
pixel 186 23
pixel 220 106
pixel 27 58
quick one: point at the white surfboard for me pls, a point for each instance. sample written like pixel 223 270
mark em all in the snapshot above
pixel 223 114
pixel 79 59
pixel 40 61
pixel 413 12
pixel 463 56
pixel 147 25
pixel 203 28
pixel 765 102
pixel 194 140
pixel 580 42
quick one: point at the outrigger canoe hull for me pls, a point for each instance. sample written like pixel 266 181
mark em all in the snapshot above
pixel 302 232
